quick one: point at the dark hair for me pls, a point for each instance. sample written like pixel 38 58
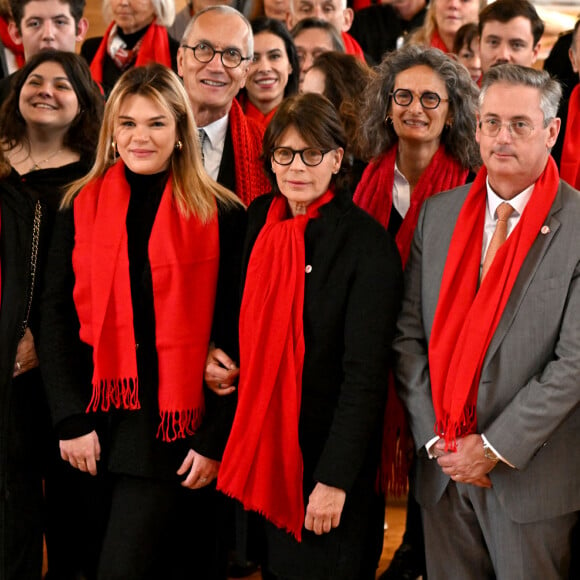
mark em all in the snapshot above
pixel 316 120
pixel 345 78
pixel 77 7
pixel 506 10
pixel 377 137
pixel 277 28
pixel 465 36
pixel 317 23
pixel 82 135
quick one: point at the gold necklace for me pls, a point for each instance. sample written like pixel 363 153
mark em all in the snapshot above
pixel 36 164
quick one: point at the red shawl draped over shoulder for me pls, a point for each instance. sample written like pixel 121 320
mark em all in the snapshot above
pixel 154 48
pixel 184 259
pixel 570 161
pixel 466 317
pixel 374 194
pixel 262 464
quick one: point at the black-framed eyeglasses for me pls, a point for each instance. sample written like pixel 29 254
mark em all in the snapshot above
pixel 204 52
pixel 519 129
pixel 311 156
pixel 428 99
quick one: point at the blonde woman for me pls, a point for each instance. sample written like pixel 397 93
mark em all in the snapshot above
pixel 144 270
pixel 444 18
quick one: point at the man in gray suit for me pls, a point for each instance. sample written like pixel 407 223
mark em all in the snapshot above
pixel 489 349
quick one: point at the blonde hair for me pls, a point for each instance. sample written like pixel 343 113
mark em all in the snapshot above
pixel 164 10
pixel 193 190
pixel 423 35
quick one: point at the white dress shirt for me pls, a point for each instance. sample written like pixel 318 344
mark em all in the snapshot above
pixel 401 193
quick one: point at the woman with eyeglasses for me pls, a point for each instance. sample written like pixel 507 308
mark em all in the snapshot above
pixel 419 130
pixel 145 264
pixel 321 295
pixel 136 35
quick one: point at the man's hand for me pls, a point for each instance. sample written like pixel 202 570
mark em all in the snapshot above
pixel 82 452
pixel 324 508
pixel 220 372
pixel 202 470
pixel 468 464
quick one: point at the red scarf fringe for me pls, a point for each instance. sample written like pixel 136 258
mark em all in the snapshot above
pixel 374 194
pixel 570 161
pixel 466 317
pixel 184 259
pixel 154 48
pixel 262 464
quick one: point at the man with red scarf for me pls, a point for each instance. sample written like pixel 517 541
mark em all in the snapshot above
pixel 334 11
pixel 489 348
pixel 231 144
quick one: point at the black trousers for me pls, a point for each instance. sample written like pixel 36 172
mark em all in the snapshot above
pixel 158 529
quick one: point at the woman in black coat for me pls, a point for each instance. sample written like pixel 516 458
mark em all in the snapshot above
pixel 322 290
pixel 139 258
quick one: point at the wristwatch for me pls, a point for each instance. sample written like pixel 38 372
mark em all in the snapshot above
pixel 489 453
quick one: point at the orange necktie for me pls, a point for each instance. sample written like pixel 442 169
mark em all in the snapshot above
pixel 504 210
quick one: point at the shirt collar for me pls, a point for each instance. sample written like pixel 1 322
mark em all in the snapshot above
pixel 216 131
pixel 518 202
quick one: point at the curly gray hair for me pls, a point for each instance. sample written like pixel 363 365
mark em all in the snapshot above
pixel 459 139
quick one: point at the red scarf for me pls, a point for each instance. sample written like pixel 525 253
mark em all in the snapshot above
pixel 374 194
pixel 351 46
pixel 570 162
pixel 262 464
pixel 466 318
pixel 184 259
pixel 437 42
pixel 16 49
pixel 154 48
pixel 252 112
pixel 251 181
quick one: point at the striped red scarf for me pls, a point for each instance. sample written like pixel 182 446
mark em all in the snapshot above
pixel 184 260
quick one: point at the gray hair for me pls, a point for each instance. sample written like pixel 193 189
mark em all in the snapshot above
pixel 319 24
pixel 376 137
pixel 515 74
pixel 164 10
pixel 222 9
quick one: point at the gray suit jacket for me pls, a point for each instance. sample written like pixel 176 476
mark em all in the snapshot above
pixel 529 392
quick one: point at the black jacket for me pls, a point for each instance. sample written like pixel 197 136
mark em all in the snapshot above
pixel 351 302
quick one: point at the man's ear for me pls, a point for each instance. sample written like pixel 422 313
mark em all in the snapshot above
pixel 82 28
pixel 14 32
pixel 348 14
pixel 535 52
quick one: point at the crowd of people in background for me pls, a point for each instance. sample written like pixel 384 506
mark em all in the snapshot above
pixel 263 264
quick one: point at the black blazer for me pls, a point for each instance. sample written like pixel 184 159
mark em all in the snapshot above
pixel 129 437
pixel 351 302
